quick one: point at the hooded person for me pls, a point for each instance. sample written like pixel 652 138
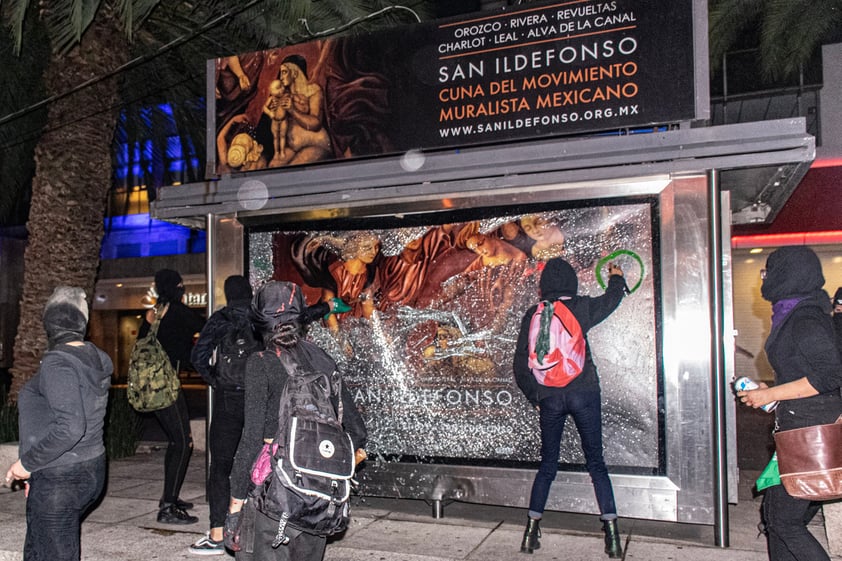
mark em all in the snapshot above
pixel 61 419
pixel 802 351
pixel 279 312
pixel 178 326
pixel 224 370
pixel 580 398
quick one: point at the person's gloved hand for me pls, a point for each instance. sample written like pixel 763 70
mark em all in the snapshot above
pixel 337 306
pixel 231 530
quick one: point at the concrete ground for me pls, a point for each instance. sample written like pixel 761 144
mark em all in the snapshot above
pixel 123 527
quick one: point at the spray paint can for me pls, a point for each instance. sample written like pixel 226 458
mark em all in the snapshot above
pixel 744 383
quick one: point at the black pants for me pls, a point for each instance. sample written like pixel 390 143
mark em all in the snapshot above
pixel 786 519
pixel 225 430
pixel 58 499
pixel 176 424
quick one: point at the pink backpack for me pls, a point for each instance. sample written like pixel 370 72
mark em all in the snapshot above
pixel 557 357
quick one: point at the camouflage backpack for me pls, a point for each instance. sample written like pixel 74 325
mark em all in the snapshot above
pixel 153 383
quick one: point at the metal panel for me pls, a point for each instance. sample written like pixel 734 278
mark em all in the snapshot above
pixel 422 182
pixel 684 492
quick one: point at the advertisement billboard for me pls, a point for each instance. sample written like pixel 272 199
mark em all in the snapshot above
pixel 543 70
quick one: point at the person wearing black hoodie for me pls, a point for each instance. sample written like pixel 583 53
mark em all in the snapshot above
pixel 228 408
pixel 62 414
pixel 280 315
pixel 580 399
pixel 177 327
pixel 808 375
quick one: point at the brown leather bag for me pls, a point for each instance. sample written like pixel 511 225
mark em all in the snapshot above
pixel 810 461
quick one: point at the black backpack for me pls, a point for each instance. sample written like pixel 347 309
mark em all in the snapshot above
pixel 313 459
pixel 233 350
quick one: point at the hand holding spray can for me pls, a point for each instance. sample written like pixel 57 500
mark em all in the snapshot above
pixel 744 384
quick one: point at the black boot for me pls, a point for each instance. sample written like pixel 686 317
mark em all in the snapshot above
pixel 612 539
pixel 530 536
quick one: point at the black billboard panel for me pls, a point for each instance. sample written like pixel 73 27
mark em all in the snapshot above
pixel 545 70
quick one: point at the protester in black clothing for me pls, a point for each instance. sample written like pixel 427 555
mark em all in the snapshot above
pixel 801 349
pixel 580 399
pixel 62 415
pixel 176 330
pixel 228 404
pixel 277 312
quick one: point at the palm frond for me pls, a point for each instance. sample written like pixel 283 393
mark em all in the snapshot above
pixel 729 21
pixel 792 32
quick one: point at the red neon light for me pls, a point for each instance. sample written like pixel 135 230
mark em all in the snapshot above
pixel 826 163
pixel 792 238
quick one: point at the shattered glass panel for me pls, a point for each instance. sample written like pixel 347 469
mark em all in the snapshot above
pixel 427 346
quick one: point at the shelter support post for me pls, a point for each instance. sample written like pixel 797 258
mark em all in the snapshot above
pixel 718 389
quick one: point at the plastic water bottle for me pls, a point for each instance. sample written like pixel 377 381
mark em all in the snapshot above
pixel 744 383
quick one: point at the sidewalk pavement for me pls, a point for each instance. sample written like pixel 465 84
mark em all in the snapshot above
pixel 123 527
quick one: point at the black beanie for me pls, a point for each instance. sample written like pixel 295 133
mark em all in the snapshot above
pixel 837 298
pixel 166 285
pixel 237 288
pixel 558 279
pixel 792 272
pixel 65 316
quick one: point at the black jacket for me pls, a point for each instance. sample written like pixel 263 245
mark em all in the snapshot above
pixel 589 311
pixel 176 332
pixel 265 380
pixel 804 344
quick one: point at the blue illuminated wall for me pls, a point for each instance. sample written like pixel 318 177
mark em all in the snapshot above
pixel 137 235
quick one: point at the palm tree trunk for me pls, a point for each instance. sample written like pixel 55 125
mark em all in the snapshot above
pixel 73 175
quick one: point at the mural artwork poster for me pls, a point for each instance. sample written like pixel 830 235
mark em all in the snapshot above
pixel 537 71
pixel 427 346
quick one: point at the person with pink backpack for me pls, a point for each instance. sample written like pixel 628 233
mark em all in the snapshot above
pixel 554 369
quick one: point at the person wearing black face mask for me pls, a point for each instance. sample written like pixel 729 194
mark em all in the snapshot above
pixel 62 415
pixel 801 349
pixel 178 325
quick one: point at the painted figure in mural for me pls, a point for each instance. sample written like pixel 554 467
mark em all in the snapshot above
pixel 353 274
pixel 307 139
pixel 549 239
pixel 274 109
pixel 494 252
pixel 359 112
pixel 513 234
pixel 236 78
pixel 237 148
pixel 401 276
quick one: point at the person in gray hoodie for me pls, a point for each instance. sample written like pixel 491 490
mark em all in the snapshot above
pixel 61 418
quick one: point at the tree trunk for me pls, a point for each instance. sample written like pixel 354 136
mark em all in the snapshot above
pixel 73 175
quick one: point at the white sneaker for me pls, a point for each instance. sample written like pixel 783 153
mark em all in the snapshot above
pixel 206 546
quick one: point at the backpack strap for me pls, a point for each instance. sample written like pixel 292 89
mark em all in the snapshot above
pixel 159 315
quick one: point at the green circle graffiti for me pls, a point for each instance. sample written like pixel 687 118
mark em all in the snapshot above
pixel 608 258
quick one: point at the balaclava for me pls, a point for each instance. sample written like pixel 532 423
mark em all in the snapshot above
pixel 167 286
pixel 558 279
pixel 792 272
pixel 65 316
pixel 237 291
pixel 276 303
